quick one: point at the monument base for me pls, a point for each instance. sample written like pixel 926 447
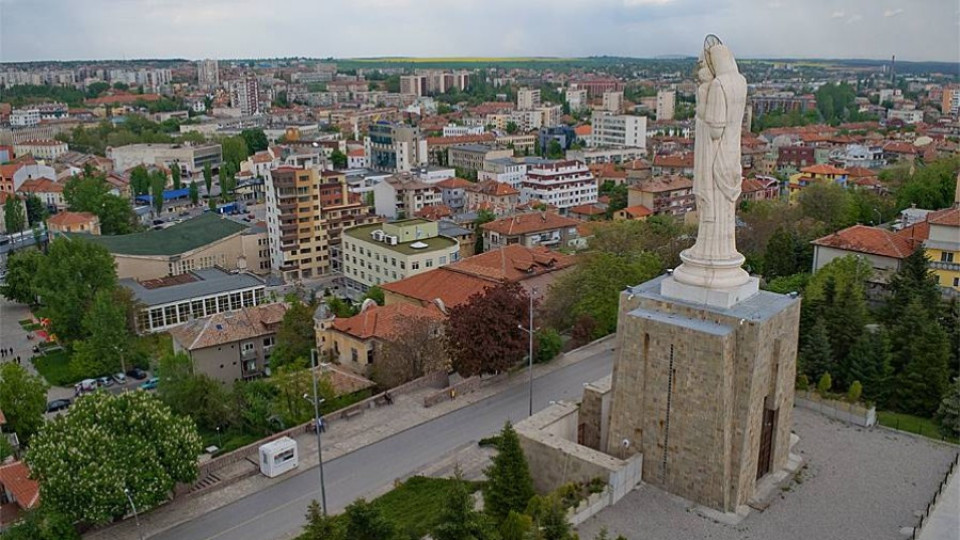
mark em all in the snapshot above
pixel 714 297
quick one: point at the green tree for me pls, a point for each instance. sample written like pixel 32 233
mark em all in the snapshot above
pixel 255 140
pixel 550 517
pixel 235 150
pixel 869 363
pixel 107 339
pixel 321 526
pixel 825 384
pixel 458 520
pixel 375 293
pixel 207 177
pixel 549 343
pixel 20 285
pixel 194 192
pixel 175 175
pixel 516 526
pixel 158 183
pixel 198 396
pixel 828 203
pixel 105 444
pixel 948 414
pixel 853 394
pixel 36 210
pixel 212 203
pixel 116 216
pixel 366 521
pixel 782 257
pixel 512 127
pixel 91 193
pixel 554 150
pixel 67 281
pixel 14 218
pixel 140 180
pixel 816 355
pixel 339 159
pixel 295 337
pixel 42 524
pixel 845 318
pixel 509 486
pixel 23 399
pixel 920 355
pixel 913 281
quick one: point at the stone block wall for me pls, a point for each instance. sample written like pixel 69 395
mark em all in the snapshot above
pixel 595 413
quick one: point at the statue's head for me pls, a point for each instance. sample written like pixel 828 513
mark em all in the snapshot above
pixel 720 59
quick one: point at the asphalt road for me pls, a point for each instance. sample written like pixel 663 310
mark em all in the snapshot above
pixel 279 511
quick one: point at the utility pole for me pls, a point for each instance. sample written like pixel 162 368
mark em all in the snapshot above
pixel 318 425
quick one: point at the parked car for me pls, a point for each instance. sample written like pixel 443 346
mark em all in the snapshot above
pixel 149 384
pixel 137 374
pixel 86 385
pixel 120 378
pixel 58 405
pixel 104 381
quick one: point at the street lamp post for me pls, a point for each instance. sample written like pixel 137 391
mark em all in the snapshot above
pixel 530 331
pixel 136 517
pixel 317 427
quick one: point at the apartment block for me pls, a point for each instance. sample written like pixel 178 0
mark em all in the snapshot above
pixel 245 95
pixel 470 157
pixel 191 157
pixel 664 195
pixel 528 99
pixel 666 103
pixel 382 253
pixel 613 102
pixel 395 147
pixel 403 195
pixel 545 229
pixel 559 183
pixel 577 99
pixel 306 213
pixel 208 74
pixel 619 130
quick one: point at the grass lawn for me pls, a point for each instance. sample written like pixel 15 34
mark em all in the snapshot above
pixel 55 368
pixel 913 424
pixel 231 440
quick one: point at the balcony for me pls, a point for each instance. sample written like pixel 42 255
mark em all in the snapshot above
pixel 289 227
pixel 943 265
pixel 248 354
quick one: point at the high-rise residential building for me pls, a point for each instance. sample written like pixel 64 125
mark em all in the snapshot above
pixel 245 95
pixel 613 101
pixel 619 130
pixel 415 85
pixel 951 100
pixel 395 147
pixel 666 102
pixel 559 183
pixel 208 74
pixel 528 99
pixel 577 99
pixel 306 212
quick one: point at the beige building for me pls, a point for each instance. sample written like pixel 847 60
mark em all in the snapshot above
pixel 545 229
pixel 613 102
pixel 528 99
pixel 352 342
pixel 666 103
pixel 49 149
pixel 74 222
pixel 470 157
pixel 192 158
pixel 381 253
pixel 404 195
pixel 231 346
pixel 203 242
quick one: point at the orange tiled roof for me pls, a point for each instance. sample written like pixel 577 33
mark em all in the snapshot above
pixel 460 139
pixel 356 152
pixel 41 185
pixel 870 240
pixel 15 477
pixel 589 209
pixel 859 172
pixel 62 219
pixel 529 223
pixel 662 184
pixel 638 211
pixel 949 217
pixel 823 168
pixel 382 322
pixel 454 183
pixel 246 323
pixel 492 187
pixel 674 161
pixel 435 212
pixel 749 185
pixel 585 129
pixel 900 148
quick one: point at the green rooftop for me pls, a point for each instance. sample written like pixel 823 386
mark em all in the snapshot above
pixel 433 243
pixel 180 238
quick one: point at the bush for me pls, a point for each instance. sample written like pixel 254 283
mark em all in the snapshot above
pixel 803 382
pixel 853 394
pixel 825 384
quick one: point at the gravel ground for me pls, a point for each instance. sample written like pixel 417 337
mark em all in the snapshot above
pixel 857 484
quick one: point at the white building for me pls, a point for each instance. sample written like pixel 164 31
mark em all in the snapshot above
pixel 504 170
pixel 245 95
pixel 403 195
pixel 458 131
pixel 528 99
pixel 906 116
pixel 559 183
pixel 666 103
pixel 25 117
pixel 208 74
pixel 577 99
pixel 550 115
pixel 619 130
pixel 41 148
pixel 613 102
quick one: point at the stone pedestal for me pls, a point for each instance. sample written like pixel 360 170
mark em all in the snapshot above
pixel 703 387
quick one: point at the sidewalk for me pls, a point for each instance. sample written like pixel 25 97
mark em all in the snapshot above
pixel 341 437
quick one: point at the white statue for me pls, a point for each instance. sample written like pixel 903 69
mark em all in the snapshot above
pixel 713 262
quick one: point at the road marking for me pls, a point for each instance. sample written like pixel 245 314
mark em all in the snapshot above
pixel 258 516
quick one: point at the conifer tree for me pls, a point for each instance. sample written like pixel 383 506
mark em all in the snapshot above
pixel 817 356
pixel 869 363
pixel 921 352
pixel 509 484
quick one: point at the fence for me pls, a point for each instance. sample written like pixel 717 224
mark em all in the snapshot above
pixel 936 497
pixel 466 386
pixel 852 413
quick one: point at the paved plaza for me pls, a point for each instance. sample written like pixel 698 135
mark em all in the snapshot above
pixel 857 484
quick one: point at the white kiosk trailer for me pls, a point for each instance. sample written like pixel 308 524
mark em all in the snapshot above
pixel 278 457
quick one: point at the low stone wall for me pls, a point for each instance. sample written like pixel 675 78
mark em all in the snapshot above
pixel 436 380
pixel 851 413
pixel 466 386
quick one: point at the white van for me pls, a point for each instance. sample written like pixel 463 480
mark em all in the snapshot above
pixel 86 385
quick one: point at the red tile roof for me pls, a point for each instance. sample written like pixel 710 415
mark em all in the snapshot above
pixel 662 184
pixel 870 240
pixel 675 161
pixel 749 185
pixel 823 168
pixel 382 322
pixel 15 477
pixel 460 139
pixel 949 217
pixel 859 172
pixel 62 219
pixel 41 185
pixel 228 327
pixel 454 183
pixel 638 211
pixel 435 211
pixel 493 188
pixel 585 129
pixel 529 223
pixel 589 209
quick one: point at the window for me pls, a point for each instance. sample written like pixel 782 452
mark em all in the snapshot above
pixel 353 354
pixel 170 315
pixel 223 303
pixel 429 263
pixel 211 305
pixel 443 260
pixel 415 265
pixel 946 256
pixel 956 282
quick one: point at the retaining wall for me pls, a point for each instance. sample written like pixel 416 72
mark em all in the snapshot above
pixel 852 413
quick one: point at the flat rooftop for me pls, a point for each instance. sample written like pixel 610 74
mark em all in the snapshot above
pixel 193 233
pixel 433 244
pixel 758 307
pixel 204 282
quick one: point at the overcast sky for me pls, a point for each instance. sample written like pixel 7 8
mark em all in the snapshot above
pixel 118 29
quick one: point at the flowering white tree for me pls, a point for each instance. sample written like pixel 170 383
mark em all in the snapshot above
pixel 85 459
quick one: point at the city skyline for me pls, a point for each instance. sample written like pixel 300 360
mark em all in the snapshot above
pixel 859 29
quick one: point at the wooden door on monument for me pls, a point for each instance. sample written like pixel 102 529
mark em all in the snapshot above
pixel 766 442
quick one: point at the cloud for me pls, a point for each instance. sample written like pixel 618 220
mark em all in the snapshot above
pixel 837 15
pixel 892 12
